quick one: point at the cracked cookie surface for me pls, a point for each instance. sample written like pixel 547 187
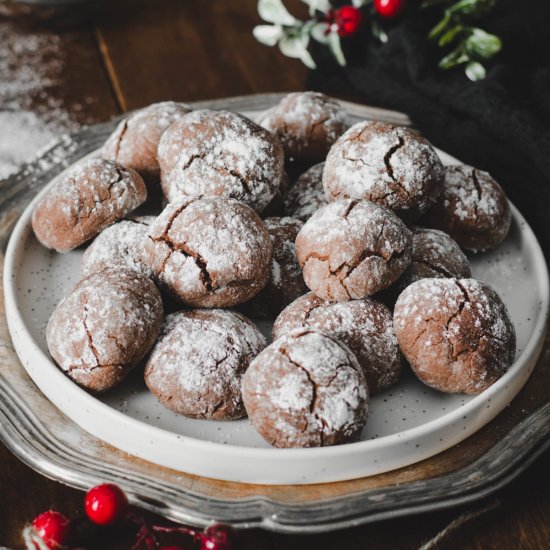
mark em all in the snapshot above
pixel 435 254
pixel 307 124
pixel 104 327
pixel 351 249
pixel 386 164
pixel 135 141
pixel 306 390
pixel 210 252
pixel 365 326
pixel 219 153
pixel 472 209
pixel 121 245
pixel 94 194
pixel 307 195
pixel 285 281
pixel 455 333
pixel 196 367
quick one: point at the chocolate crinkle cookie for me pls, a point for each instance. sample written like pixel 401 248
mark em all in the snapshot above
pixel 386 164
pixel 94 194
pixel 306 390
pixel 351 249
pixel 435 254
pixel 472 208
pixel 135 141
pixel 285 281
pixel 365 326
pixel 219 153
pixel 455 333
pixel 307 124
pixel 104 327
pixel 307 195
pixel 196 367
pixel 211 252
pixel 122 245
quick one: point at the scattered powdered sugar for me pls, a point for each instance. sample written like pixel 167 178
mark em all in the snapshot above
pixel 307 195
pixel 31 116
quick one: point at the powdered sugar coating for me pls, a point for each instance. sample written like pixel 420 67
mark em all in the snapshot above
pixel 104 327
pixel 307 195
pixel 285 282
pixel 94 194
pixel 307 124
pixel 456 334
pixel 435 254
pixel 135 141
pixel 390 165
pixel 196 367
pixel 365 326
pixel 306 390
pixel 472 208
pixel 219 153
pixel 122 245
pixel 351 249
pixel 211 252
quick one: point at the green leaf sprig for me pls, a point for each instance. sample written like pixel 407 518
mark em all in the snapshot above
pixel 471 45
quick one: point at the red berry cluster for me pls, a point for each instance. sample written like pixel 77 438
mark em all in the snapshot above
pixel 107 504
pixel 347 19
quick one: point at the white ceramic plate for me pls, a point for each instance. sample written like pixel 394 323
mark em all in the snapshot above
pixel 406 424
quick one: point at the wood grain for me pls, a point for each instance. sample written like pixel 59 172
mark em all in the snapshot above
pixel 185 51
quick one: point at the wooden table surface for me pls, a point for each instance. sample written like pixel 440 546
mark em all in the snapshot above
pixel 136 52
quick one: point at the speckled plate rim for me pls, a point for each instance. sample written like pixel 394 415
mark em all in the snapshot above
pixel 267 466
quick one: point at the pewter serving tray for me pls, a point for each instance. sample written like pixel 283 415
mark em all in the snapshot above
pixel 54 445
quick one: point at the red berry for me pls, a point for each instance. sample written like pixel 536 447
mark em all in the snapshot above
pixel 217 537
pixel 53 528
pixel 105 504
pixel 347 20
pixel 389 8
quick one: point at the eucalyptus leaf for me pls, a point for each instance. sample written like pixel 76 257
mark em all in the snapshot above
pixel 450 35
pixel 296 47
pixel 360 3
pixel 273 11
pixel 482 44
pixel 440 27
pixel 336 48
pixel 319 32
pixel 475 71
pixel 268 35
pixel 456 57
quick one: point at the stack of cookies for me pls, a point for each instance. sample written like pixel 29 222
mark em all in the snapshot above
pixel 359 259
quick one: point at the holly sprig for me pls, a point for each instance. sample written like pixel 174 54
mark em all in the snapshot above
pixel 471 46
